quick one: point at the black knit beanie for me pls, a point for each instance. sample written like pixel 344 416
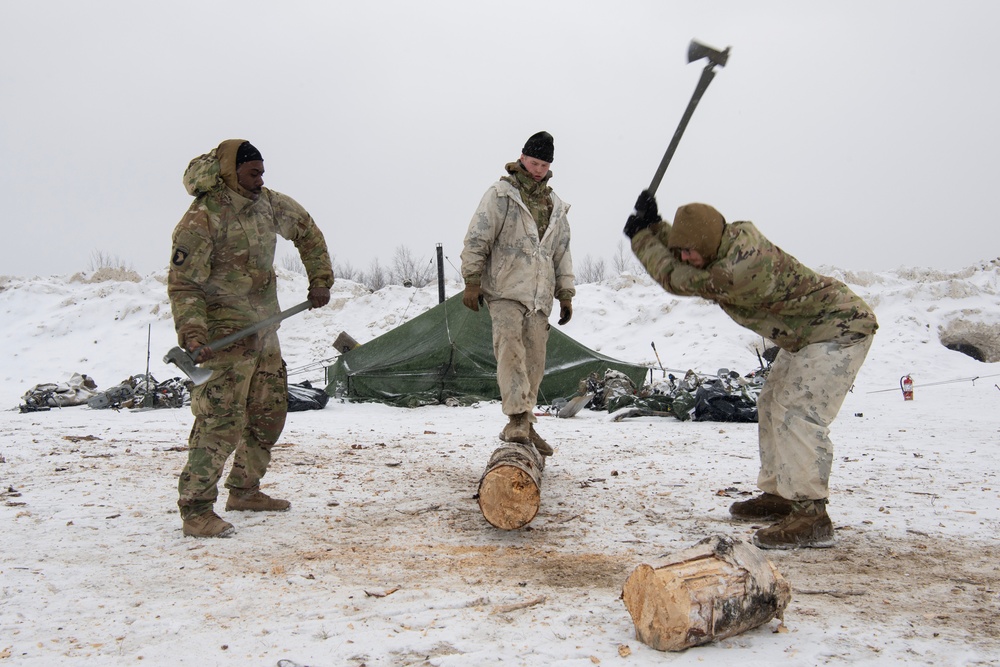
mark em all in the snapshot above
pixel 247 153
pixel 540 147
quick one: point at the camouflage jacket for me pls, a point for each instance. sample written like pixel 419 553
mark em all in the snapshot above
pixel 504 254
pixel 221 275
pixel 761 287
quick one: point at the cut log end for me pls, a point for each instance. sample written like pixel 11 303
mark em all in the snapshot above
pixel 719 588
pixel 510 489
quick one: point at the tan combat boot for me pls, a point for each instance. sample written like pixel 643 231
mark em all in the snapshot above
pixel 543 447
pixel 254 501
pixel 765 507
pixel 517 429
pixel 808 526
pixel 207 525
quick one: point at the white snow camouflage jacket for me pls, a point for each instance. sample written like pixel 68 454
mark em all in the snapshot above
pixel 505 256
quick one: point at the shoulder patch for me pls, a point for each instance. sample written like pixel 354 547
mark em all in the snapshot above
pixel 180 254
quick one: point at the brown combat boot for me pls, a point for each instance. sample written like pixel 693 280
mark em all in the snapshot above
pixel 517 430
pixel 765 507
pixel 808 526
pixel 207 525
pixel 543 447
pixel 254 501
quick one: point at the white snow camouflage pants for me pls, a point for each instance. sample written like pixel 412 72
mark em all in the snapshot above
pixel 801 397
pixel 519 340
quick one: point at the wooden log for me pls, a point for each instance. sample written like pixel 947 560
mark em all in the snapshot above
pixel 510 488
pixel 718 588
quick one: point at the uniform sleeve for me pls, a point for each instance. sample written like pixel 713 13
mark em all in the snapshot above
pixel 752 270
pixel 479 237
pixel 650 248
pixel 563 261
pixel 189 270
pixel 295 224
pixel 745 275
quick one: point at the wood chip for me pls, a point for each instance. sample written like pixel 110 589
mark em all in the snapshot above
pixel 381 594
pixel 831 592
pixel 78 438
pixel 505 608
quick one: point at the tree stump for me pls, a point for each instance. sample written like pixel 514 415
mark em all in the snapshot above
pixel 510 488
pixel 718 588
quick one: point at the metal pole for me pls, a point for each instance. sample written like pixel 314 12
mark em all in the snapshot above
pixel 440 256
pixel 147 400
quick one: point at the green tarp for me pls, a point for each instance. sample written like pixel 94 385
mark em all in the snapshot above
pixel 447 352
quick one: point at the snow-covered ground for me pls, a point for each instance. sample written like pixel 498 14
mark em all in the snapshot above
pixel 385 558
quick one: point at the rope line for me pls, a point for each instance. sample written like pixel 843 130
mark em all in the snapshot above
pixel 935 384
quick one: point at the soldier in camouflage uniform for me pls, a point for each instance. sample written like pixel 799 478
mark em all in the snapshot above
pixel 516 258
pixel 824 331
pixel 221 279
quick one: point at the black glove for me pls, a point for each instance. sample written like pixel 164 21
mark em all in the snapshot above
pixel 645 206
pixel 565 311
pixel 646 213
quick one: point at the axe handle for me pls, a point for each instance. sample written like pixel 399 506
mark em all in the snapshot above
pixel 707 75
pixel 658 359
pixel 225 342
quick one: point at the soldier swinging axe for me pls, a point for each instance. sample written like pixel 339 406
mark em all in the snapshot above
pixel 696 51
pixel 188 361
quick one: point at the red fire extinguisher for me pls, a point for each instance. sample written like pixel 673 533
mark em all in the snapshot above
pixel 906 384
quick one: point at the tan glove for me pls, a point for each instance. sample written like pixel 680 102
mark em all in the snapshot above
pixel 473 297
pixel 565 311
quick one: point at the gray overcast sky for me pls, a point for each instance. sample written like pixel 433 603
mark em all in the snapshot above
pixel 855 134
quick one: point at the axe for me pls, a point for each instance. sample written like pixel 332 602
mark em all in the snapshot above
pixel 185 360
pixel 696 51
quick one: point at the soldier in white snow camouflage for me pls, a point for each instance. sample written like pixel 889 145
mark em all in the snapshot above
pixel 221 279
pixel 823 329
pixel 516 259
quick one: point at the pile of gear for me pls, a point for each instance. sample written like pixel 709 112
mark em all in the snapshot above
pixel 75 391
pixel 303 396
pixel 138 391
pixel 143 391
pixel 724 397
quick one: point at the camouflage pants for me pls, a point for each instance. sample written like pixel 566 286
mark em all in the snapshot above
pixel 519 340
pixel 800 399
pixel 240 409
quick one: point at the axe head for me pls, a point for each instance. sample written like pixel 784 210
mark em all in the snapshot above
pixel 182 359
pixel 698 51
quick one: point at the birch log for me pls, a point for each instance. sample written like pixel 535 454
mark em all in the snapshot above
pixel 718 588
pixel 510 488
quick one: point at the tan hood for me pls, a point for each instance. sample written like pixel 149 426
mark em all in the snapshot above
pixel 226 153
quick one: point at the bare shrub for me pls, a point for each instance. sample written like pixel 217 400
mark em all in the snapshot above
pixel 590 270
pixel 102 260
pixel 346 271
pixel 376 277
pixel 294 264
pixel 624 261
pixel 406 269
